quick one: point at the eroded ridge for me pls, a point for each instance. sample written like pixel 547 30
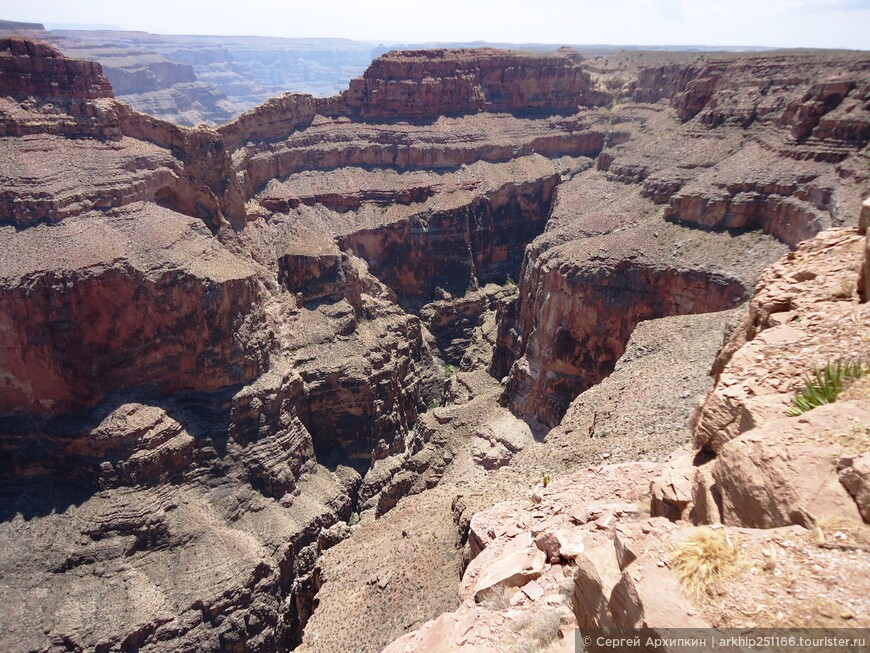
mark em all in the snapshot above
pixel 219 348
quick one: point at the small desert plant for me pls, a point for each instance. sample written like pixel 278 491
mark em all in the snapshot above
pixel 824 385
pixel 644 504
pixel 835 531
pixel 450 370
pixel 496 598
pixel 545 479
pixel 704 557
pixel 537 630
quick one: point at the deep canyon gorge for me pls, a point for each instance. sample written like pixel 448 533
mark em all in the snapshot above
pixel 301 380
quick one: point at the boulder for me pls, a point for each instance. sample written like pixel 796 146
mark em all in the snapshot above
pixel 784 472
pixel 516 563
pixel 855 477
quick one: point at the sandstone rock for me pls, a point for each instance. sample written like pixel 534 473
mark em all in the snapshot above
pixel 139 445
pixel 808 290
pixel 197 320
pixel 519 562
pixel 444 633
pixel 452 322
pixel 855 477
pixel 131 316
pixel 655 601
pixel 783 472
pixel 566 543
pixel 499 441
pixel 706 496
pixel 34 68
pixel 672 492
pixel 561 316
pixel 596 576
pixel 446 82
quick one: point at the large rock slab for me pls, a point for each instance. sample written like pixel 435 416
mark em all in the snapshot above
pixel 805 313
pixel 784 472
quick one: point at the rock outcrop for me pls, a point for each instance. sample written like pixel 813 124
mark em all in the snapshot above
pixel 604 244
pixel 421 84
pixel 221 347
pixel 129 317
pixel 806 303
pixel 33 68
pixel 762 490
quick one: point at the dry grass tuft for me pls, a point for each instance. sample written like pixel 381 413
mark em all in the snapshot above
pixel 537 630
pixel 496 598
pixel 644 505
pixel 857 389
pixel 706 556
pixel 841 530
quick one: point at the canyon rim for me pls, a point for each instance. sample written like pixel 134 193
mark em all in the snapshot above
pixel 465 356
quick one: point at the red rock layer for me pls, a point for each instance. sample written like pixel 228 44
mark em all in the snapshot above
pixel 423 84
pixel 33 68
pixel 460 249
pixel 197 325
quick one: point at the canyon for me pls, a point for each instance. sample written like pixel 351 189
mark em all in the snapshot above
pixel 301 380
pixel 196 79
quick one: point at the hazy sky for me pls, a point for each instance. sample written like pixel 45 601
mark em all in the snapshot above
pixel 810 23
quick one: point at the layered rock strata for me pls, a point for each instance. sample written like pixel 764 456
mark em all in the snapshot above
pixel 217 340
pixel 782 524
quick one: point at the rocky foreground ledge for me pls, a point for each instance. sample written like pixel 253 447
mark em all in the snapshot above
pixel 238 365
pixel 781 506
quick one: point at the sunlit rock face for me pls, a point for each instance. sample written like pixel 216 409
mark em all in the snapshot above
pixel 216 344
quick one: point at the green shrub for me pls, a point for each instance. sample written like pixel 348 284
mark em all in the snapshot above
pixel 824 385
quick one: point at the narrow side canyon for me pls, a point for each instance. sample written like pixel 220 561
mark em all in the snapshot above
pixel 256 380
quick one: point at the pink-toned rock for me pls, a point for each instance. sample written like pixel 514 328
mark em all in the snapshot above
pixel 705 495
pixel 807 302
pixel 627 546
pixel 533 590
pixel 655 601
pixel 567 543
pixel 445 82
pixel 34 68
pixel 596 575
pixel 671 491
pixel 622 584
pixel 784 472
pixel 449 632
pixel 855 477
pixel 515 564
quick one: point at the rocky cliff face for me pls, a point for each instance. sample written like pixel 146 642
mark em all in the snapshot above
pixel 148 362
pixel 34 68
pixel 217 344
pixel 82 326
pixel 151 76
pixel 423 84
pixel 66 103
pixel 579 321
pixel 193 79
pixel 605 243
pixel 560 562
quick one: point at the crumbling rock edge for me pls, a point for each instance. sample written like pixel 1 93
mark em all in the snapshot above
pixel 267 376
